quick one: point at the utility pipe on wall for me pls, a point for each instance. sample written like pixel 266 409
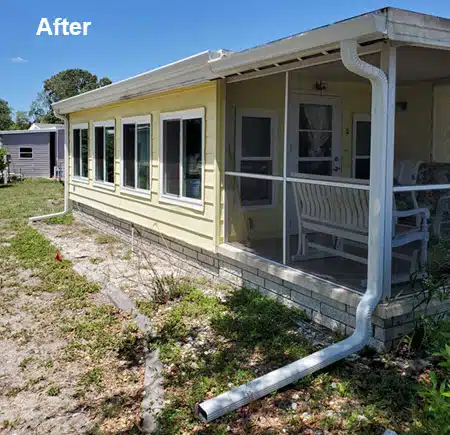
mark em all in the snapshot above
pixel 240 396
pixel 66 173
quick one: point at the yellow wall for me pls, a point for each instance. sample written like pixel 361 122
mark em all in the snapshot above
pixel 197 227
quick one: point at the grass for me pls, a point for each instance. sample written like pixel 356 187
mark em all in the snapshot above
pixel 209 345
pixel 98 337
pixel 105 239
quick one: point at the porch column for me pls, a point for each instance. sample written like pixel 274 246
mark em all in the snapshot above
pixel 285 147
pixel 389 66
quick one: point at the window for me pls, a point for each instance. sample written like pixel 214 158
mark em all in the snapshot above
pixel 104 152
pixel 80 149
pixel 182 152
pixel 361 146
pixel 255 142
pixel 26 152
pixel 136 153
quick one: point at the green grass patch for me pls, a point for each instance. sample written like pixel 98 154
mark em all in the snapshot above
pixel 65 219
pixel 30 198
pixel 105 239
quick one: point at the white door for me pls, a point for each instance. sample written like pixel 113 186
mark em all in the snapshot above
pixel 315 135
pixel 314 132
pixel 361 146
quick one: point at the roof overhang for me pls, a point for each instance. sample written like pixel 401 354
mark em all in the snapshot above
pixel 44 130
pixel 188 71
pixel 297 50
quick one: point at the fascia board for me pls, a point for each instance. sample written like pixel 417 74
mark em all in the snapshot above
pixel 418 29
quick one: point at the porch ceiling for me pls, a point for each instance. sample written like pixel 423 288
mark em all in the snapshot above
pixel 414 64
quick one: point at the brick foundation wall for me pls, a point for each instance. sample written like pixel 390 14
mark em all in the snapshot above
pixel 389 323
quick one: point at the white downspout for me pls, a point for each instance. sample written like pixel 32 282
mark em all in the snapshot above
pixel 66 173
pixel 240 396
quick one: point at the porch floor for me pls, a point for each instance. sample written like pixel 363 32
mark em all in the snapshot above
pixel 343 271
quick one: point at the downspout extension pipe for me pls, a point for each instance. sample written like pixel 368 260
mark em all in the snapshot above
pixel 66 173
pixel 240 396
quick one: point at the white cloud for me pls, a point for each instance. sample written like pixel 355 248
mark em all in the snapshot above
pixel 18 60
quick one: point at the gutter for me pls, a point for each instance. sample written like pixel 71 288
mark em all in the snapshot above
pixel 66 173
pixel 240 396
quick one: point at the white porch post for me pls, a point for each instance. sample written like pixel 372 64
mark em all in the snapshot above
pixel 285 148
pixel 389 66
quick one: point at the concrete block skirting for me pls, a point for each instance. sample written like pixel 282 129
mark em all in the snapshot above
pixel 325 303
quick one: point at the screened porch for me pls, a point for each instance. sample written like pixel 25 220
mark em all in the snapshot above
pixel 298 159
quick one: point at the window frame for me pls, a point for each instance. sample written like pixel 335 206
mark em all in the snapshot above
pixel 358 117
pixel 103 183
pixel 136 120
pixel 182 115
pixel 26 152
pixel 79 178
pixel 257 113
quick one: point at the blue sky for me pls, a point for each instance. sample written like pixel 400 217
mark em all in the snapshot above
pixel 130 37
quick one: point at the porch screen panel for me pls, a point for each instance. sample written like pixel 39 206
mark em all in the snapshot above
pixel 256 158
pixel 171 162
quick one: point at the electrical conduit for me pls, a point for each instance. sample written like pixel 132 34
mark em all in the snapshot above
pixel 240 396
pixel 66 173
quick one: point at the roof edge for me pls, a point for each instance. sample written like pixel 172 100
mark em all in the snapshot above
pixel 192 69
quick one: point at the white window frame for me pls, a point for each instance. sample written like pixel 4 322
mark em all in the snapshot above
pixel 358 117
pixel 136 120
pixel 26 152
pixel 82 126
pixel 178 199
pixel 257 113
pixel 103 183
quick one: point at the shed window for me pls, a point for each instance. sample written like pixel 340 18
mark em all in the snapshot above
pixel 182 151
pixel 104 152
pixel 26 152
pixel 80 151
pixel 136 152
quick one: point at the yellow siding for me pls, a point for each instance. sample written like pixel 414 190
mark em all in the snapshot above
pixel 197 227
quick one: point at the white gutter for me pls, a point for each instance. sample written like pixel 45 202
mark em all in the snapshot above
pixel 240 396
pixel 66 173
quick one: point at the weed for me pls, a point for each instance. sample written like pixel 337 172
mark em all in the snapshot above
pixel 105 239
pixel 53 391
pixel 65 219
pixel 92 378
pixel 96 260
pixel 27 360
pixel 11 424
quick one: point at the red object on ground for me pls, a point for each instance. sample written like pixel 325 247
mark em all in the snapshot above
pixel 58 256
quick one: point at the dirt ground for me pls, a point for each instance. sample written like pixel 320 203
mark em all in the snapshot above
pixel 60 366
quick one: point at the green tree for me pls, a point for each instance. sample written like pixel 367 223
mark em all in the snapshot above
pixel 60 86
pixel 6 122
pixel 3 163
pixel 22 122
